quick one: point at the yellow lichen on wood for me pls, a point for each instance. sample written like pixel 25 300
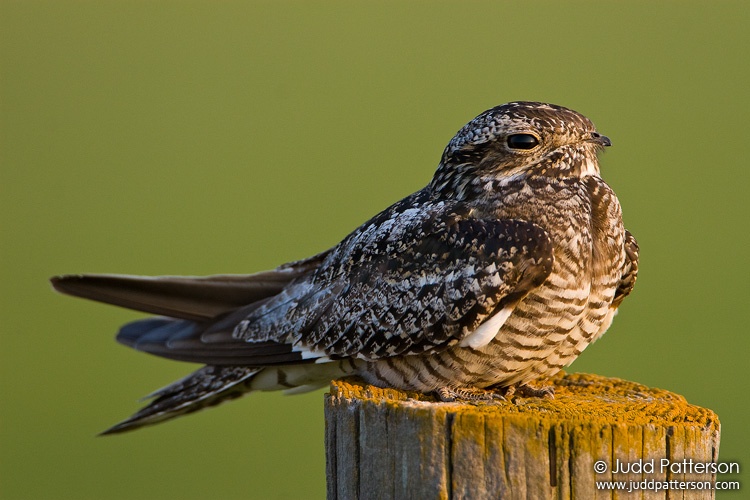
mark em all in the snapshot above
pixel 387 443
pixel 578 396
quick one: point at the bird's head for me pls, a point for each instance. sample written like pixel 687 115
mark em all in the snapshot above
pixel 518 140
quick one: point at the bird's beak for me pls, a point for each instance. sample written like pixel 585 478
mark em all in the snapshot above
pixel 601 140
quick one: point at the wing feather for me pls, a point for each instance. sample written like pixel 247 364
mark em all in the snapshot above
pixel 193 298
pixel 408 290
pixel 409 281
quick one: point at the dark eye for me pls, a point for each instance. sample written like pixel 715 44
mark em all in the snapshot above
pixel 522 141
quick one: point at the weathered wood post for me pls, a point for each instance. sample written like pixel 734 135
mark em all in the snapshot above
pixel 385 443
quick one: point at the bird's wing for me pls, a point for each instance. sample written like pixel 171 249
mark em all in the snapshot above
pixel 425 284
pixel 400 284
pixel 191 298
pixel 630 270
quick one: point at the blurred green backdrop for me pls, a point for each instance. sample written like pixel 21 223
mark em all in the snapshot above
pixel 215 137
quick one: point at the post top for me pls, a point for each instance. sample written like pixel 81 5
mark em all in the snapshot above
pixel 578 397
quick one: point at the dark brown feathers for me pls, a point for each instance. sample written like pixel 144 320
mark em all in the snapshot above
pixel 192 298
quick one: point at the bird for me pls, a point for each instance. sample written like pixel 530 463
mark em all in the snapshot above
pixel 498 273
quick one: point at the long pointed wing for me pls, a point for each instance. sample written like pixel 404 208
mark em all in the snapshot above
pixel 401 284
pixel 192 298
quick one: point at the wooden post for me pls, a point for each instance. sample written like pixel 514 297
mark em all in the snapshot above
pixel 385 443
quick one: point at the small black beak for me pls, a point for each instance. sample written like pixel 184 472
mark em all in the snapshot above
pixel 602 140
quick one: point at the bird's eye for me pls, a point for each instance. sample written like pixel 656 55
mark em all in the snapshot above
pixel 522 141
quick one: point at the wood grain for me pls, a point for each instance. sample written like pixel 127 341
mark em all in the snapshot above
pixel 390 444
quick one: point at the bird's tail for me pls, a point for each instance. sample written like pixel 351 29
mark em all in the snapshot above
pixel 212 385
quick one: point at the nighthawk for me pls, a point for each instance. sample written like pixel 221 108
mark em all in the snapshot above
pixel 501 270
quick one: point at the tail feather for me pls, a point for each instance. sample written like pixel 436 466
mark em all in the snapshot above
pixel 212 385
pixel 209 386
pixel 199 316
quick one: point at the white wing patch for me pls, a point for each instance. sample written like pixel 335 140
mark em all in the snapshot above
pixel 487 331
pixel 307 353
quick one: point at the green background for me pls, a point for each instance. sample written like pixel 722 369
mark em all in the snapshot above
pixel 214 137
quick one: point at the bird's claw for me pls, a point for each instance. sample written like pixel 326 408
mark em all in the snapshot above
pixel 450 394
pixel 526 391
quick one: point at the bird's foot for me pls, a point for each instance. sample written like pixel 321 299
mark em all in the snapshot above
pixel 449 394
pixel 526 391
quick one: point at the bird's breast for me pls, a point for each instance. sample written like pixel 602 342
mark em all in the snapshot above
pixel 552 325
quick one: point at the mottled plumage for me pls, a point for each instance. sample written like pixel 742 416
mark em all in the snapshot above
pixel 500 271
